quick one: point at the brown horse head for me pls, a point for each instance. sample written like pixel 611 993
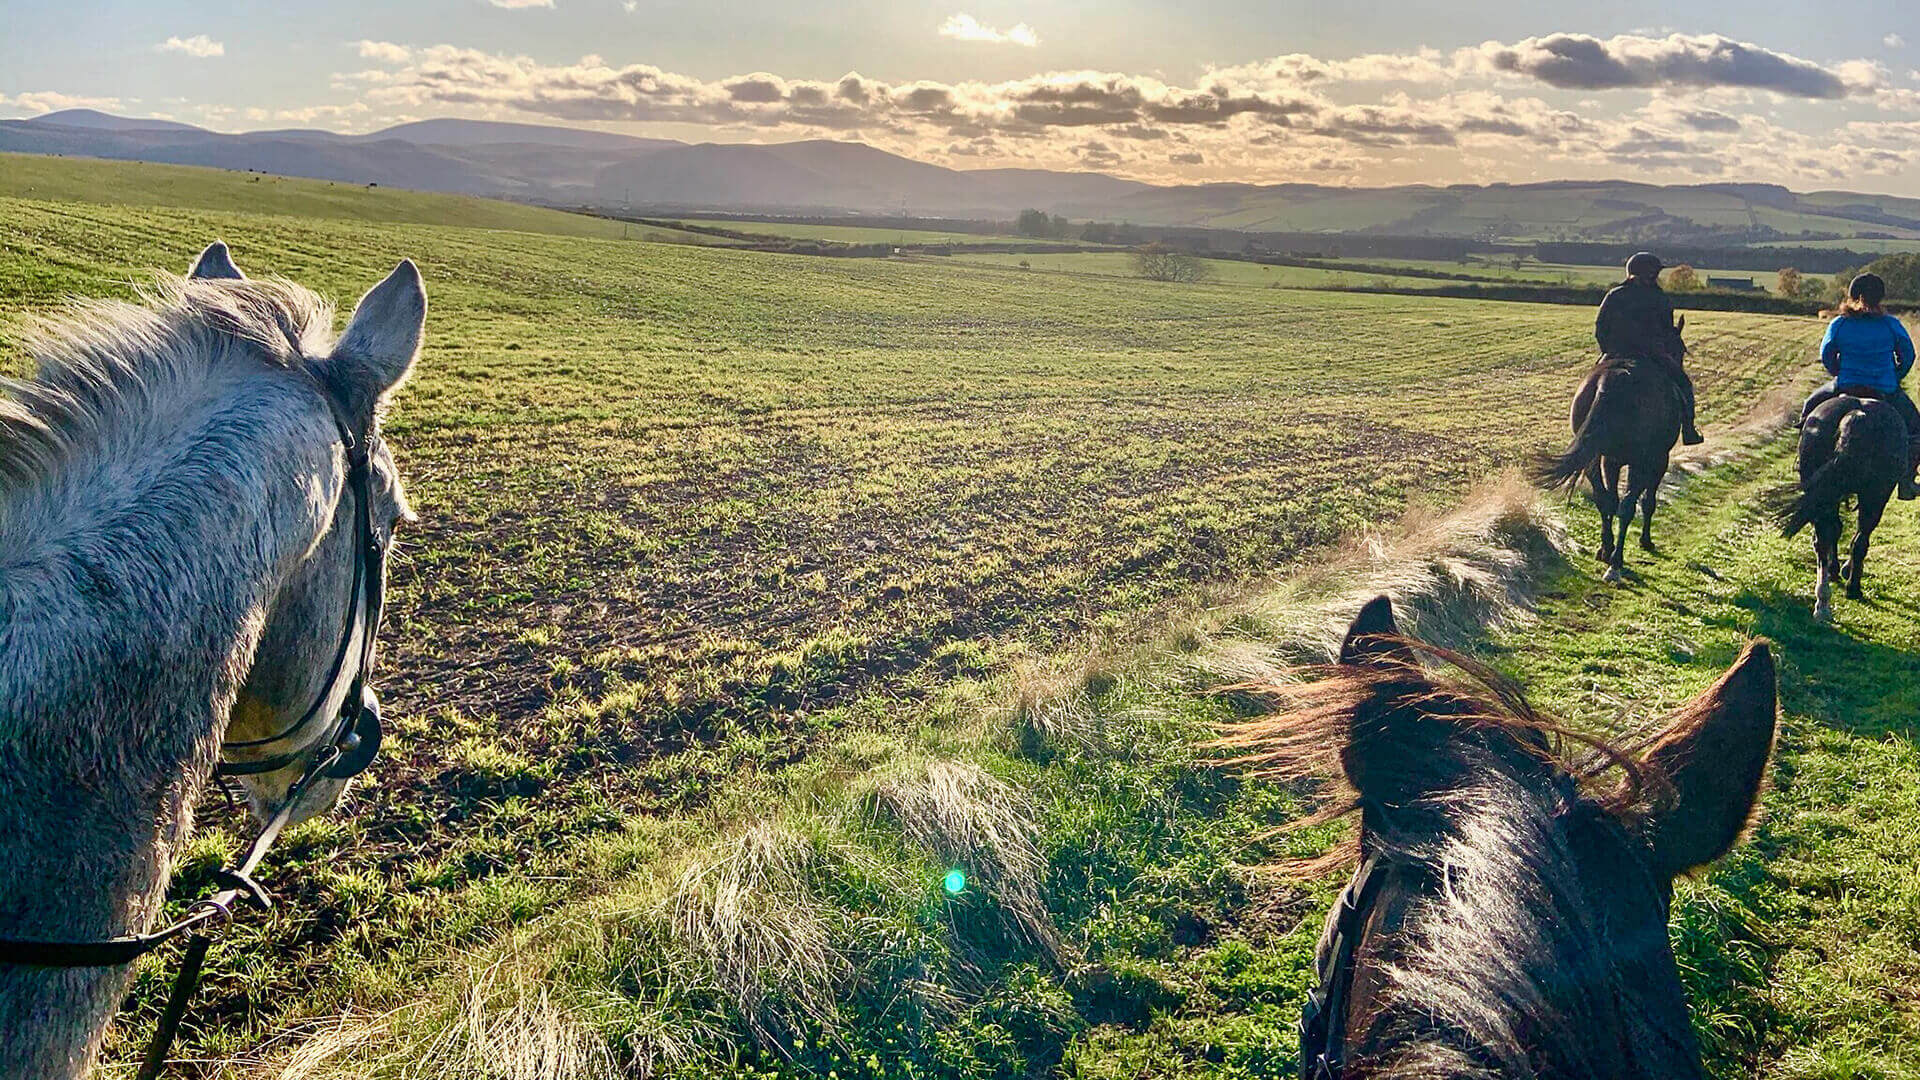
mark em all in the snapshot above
pixel 1515 917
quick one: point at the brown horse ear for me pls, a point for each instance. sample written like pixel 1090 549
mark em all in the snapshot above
pixel 215 263
pixel 1715 756
pixel 1372 637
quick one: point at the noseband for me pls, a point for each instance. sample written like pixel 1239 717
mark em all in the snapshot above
pixel 341 751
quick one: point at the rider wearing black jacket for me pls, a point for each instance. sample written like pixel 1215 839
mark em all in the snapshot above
pixel 1636 322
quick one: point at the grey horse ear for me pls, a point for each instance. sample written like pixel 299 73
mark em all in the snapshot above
pixel 1373 637
pixel 215 263
pixel 377 352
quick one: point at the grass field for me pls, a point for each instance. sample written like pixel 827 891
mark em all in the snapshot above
pixel 1120 264
pixel 128 184
pixel 730 623
pixel 860 234
pixel 1567 273
pixel 1236 272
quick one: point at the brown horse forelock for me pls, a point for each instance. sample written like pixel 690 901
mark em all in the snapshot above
pixel 1516 971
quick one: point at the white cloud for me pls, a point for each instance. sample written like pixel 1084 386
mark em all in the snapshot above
pixel 1894 41
pixel 964 27
pixel 516 4
pixel 199 45
pixel 1423 115
pixel 386 52
pixel 35 102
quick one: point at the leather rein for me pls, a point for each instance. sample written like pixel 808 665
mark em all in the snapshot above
pixel 342 751
pixel 1323 1019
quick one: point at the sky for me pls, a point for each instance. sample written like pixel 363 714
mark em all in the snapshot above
pixel 1360 92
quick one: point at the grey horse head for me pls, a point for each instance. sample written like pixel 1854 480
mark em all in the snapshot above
pixel 178 538
pixel 295 662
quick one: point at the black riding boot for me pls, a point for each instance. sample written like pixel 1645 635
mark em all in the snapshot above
pixel 1689 434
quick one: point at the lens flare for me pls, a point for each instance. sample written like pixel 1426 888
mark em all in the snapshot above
pixel 955 882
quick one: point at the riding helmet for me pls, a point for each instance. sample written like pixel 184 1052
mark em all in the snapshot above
pixel 1868 289
pixel 1644 263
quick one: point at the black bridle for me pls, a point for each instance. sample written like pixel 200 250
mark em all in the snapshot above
pixel 342 751
pixel 1323 1019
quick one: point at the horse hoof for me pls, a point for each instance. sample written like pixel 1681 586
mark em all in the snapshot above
pixel 1647 546
pixel 1612 576
pixel 1822 613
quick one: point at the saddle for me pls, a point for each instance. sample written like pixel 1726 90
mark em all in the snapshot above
pixel 1864 393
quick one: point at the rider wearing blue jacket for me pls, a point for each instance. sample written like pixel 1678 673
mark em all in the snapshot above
pixel 1869 351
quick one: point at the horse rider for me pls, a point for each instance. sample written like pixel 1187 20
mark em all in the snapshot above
pixel 1636 322
pixel 1868 352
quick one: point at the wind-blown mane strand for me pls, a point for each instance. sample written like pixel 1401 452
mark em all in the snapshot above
pixel 1300 739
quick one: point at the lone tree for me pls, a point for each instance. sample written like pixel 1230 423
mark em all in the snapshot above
pixel 1682 278
pixel 1157 262
pixel 1787 283
pixel 1036 223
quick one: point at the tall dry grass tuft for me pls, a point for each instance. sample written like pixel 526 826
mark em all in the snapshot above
pixel 507 1024
pixel 747 916
pixel 511 1030
pixel 1452 576
pixel 971 819
pixel 1053 707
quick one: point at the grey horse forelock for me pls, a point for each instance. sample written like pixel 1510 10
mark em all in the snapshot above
pixel 101 361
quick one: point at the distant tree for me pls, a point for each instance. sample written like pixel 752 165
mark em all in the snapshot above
pixel 1096 232
pixel 1837 288
pixel 1682 278
pixel 1033 223
pixel 1788 283
pixel 1157 262
pixel 1902 274
pixel 1059 227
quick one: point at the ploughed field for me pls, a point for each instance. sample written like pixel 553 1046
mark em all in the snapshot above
pixel 686 512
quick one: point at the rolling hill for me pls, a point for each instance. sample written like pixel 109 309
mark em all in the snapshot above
pixel 543 163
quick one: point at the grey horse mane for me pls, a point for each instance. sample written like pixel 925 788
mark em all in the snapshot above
pixel 102 361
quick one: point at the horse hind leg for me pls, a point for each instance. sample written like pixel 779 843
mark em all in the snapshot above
pixel 1649 499
pixel 1629 502
pixel 1868 520
pixel 1606 486
pixel 1826 554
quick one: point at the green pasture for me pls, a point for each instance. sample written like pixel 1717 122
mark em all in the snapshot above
pixel 742 609
pixel 860 234
pixel 1121 264
pixel 181 187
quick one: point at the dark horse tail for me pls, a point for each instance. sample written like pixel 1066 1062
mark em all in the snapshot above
pixel 1822 493
pixel 1607 417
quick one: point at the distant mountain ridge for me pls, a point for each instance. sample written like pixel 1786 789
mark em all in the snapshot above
pixel 610 171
